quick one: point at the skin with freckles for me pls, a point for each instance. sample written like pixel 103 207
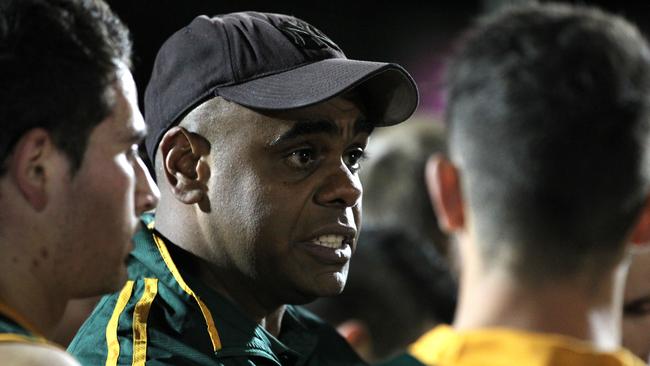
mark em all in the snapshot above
pixel 276 189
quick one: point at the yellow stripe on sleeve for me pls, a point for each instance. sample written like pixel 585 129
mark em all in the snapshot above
pixel 111 329
pixel 140 315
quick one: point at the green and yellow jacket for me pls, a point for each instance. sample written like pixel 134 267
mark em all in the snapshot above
pixel 165 316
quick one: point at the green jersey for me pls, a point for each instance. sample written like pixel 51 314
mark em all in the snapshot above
pixel 166 316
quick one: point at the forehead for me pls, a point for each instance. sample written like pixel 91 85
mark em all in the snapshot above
pixel 336 107
pixel 127 122
pixel 336 116
pixel 232 124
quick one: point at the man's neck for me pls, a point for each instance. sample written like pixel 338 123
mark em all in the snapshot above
pixel 30 302
pixel 227 281
pixel 244 295
pixel 558 307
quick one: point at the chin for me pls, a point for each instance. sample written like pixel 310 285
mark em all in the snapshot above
pixel 328 285
pixel 331 291
pixel 306 295
pixel 97 281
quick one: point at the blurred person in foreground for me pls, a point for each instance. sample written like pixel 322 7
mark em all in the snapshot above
pixel 397 289
pixel 636 306
pixel 259 124
pixel 545 188
pixel 71 183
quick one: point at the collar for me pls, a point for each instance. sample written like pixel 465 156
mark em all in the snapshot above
pixel 231 332
pixel 499 346
pixel 18 329
pixel 13 315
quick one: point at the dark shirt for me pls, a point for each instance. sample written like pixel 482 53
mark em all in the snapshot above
pixel 166 316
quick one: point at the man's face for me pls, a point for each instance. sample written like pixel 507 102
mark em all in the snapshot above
pixel 100 203
pixel 286 198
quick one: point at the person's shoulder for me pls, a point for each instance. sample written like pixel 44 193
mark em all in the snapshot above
pixel 23 354
pixel 118 316
pixel 330 345
pixel 112 312
pixel 403 359
pixel 306 317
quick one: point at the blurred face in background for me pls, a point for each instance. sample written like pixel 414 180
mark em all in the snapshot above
pixel 636 311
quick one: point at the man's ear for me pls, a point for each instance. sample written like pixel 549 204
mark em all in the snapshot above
pixel 443 183
pixel 184 169
pixel 30 166
pixel 641 231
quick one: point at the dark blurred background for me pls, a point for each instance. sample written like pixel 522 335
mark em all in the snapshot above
pixel 416 34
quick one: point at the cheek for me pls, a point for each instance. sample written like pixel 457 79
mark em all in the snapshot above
pixel 644 330
pixel 253 199
pixel 113 180
pixel 118 193
pixel 125 176
pixel 357 213
pixel 238 202
pixel 275 213
pixel 635 332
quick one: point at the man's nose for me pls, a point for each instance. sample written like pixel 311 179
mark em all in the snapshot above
pixel 341 188
pixel 146 190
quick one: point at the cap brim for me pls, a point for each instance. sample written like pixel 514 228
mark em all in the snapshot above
pixel 390 92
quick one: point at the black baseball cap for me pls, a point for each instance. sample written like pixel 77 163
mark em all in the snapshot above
pixel 265 61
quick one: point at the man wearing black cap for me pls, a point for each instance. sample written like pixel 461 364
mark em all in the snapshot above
pixel 258 125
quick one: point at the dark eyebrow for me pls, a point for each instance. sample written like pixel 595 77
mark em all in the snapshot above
pixel 363 126
pixel 636 302
pixel 302 128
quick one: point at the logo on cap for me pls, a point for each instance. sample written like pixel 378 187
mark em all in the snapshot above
pixel 306 36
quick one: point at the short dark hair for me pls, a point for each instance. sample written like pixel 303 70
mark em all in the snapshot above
pixel 57 63
pixel 548 122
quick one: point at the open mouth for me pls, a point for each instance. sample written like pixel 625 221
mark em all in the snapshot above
pixel 330 241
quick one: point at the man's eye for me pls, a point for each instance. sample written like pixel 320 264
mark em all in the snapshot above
pixel 302 158
pixel 132 152
pixel 637 308
pixel 353 158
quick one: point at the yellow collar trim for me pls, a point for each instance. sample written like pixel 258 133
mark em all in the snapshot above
pixel 19 338
pixel 444 346
pixel 171 266
pixel 20 320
